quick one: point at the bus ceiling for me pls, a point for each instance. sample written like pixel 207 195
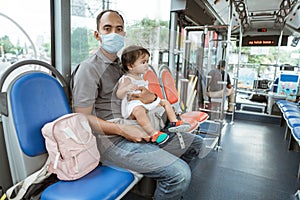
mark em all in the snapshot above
pixel 256 17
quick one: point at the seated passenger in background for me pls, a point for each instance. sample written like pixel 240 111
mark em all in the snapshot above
pixel 135 63
pixel 214 89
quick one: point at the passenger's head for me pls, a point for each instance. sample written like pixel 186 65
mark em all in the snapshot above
pixel 221 64
pixel 108 12
pixel 135 59
pixel 110 31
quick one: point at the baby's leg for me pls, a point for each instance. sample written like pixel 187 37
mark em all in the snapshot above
pixel 169 110
pixel 139 113
pixel 175 124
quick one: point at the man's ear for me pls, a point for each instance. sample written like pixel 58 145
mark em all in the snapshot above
pixel 97 35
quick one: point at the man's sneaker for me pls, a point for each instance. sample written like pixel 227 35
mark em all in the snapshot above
pixel 159 137
pixel 179 126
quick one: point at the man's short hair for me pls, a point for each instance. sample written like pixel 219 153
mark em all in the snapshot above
pixel 222 63
pixel 103 12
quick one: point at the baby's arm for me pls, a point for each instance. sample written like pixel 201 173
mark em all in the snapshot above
pixel 124 87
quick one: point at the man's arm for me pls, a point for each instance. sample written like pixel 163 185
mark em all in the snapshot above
pixel 132 133
pixel 228 82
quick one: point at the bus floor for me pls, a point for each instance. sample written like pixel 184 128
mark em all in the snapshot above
pixel 253 163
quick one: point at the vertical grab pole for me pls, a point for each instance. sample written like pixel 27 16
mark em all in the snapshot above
pixel 227 45
pixel 228 42
pixel 178 57
pixel 202 82
pixel 187 49
pixel 236 78
pixel 278 49
pixel 173 33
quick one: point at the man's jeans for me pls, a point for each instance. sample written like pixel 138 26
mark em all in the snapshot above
pixel 158 162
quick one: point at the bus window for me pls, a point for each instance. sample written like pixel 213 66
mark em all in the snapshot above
pixel 24 31
pixel 83 23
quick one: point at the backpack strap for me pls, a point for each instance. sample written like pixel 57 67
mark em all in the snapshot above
pixel 72 77
pixel 18 190
pixel 71 85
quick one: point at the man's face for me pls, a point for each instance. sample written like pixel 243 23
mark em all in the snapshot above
pixel 110 22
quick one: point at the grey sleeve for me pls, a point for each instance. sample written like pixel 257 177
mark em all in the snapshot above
pixel 85 87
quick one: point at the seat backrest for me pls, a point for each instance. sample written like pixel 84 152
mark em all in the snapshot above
pixel 154 84
pixel 36 98
pixel 169 86
pixel 33 98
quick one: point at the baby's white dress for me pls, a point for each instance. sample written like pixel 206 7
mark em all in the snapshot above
pixel 127 106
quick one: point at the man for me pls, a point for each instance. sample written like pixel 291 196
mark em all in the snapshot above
pixel 122 144
pixel 215 89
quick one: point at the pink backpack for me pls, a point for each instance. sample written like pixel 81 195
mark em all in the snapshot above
pixel 71 146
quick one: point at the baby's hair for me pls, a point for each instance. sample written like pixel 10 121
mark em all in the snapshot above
pixel 131 54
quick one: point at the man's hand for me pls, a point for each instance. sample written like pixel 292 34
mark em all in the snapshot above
pixel 134 133
pixel 145 96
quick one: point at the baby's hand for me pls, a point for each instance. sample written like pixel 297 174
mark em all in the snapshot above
pixel 131 87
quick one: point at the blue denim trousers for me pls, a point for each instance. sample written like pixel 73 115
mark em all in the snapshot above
pixel 169 164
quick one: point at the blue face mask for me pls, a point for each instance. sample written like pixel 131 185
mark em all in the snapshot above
pixel 112 43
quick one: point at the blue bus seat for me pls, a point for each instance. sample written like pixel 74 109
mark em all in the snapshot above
pixel 291 114
pixel 102 183
pixel 33 99
pixel 296 134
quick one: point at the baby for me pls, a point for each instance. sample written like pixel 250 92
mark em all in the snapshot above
pixel 135 63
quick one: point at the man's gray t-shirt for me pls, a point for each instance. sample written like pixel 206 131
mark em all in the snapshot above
pixel 213 85
pixel 95 84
